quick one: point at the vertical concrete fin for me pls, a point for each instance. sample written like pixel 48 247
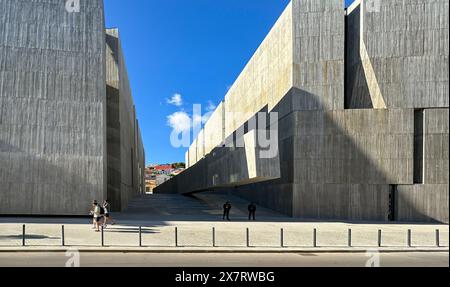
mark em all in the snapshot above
pixel 372 82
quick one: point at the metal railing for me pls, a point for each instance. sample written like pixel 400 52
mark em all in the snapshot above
pixel 314 243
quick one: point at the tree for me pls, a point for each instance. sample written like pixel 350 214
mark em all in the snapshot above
pixel 179 165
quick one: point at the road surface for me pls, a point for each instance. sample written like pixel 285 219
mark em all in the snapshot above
pixel 432 259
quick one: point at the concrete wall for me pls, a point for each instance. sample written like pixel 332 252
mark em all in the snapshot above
pixel 215 129
pixel 193 153
pixel 354 146
pixel 125 149
pixel 436 146
pixel 319 34
pixel 267 77
pixel 52 107
pixel 345 162
pixel 423 203
pixel 200 145
pixel 403 54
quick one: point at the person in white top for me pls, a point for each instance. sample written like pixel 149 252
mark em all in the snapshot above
pixel 96 212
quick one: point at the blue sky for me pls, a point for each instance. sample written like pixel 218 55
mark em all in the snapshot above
pixel 188 50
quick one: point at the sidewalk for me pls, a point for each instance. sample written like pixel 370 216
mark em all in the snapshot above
pixel 42 249
pixel 160 235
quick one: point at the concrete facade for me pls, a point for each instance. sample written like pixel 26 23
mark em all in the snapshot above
pixel 362 99
pixel 126 159
pixel 54 141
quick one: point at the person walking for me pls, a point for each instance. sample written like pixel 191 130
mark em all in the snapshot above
pixel 91 213
pixel 108 217
pixel 97 213
pixel 226 211
pixel 252 211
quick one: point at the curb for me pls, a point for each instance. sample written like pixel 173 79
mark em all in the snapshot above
pixel 217 250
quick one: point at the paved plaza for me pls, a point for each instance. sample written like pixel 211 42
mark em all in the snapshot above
pixel 195 219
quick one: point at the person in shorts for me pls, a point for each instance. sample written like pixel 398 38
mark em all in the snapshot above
pixel 98 217
pixel 108 217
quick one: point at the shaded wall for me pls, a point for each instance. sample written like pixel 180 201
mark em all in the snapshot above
pixel 125 149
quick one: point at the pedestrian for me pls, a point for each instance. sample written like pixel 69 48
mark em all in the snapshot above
pixel 252 211
pixel 108 217
pixel 226 211
pixel 91 213
pixel 97 214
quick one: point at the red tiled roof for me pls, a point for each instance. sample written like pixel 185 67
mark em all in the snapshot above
pixel 164 167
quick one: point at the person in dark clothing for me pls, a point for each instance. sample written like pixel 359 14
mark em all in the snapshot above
pixel 226 210
pixel 252 211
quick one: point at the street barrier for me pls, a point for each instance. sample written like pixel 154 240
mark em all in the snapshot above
pixel 350 243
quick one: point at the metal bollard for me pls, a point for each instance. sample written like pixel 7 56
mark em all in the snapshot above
pixel 379 238
pixel 63 243
pixel 103 236
pixel 140 236
pixel 214 236
pixel 438 238
pixel 409 238
pixel 315 237
pixel 349 238
pixel 23 235
pixel 176 236
pixel 282 237
pixel 248 237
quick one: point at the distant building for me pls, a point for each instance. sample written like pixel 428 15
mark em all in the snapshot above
pixel 164 169
pixel 158 174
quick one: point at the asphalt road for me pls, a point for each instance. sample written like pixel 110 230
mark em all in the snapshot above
pixel 434 259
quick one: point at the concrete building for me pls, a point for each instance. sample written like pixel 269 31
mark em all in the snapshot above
pixel 68 128
pixel 363 122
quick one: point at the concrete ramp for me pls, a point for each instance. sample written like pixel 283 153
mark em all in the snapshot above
pixel 226 167
pixel 176 207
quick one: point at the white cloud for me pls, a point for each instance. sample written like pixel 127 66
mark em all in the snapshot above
pixel 176 100
pixel 211 107
pixel 179 122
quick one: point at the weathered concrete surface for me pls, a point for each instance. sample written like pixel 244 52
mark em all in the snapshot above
pixel 193 153
pixel 267 77
pixel 125 150
pixel 436 146
pixel 200 145
pixel 407 45
pixel 423 203
pixel 62 129
pixel 319 37
pixel 215 129
pixel 53 107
